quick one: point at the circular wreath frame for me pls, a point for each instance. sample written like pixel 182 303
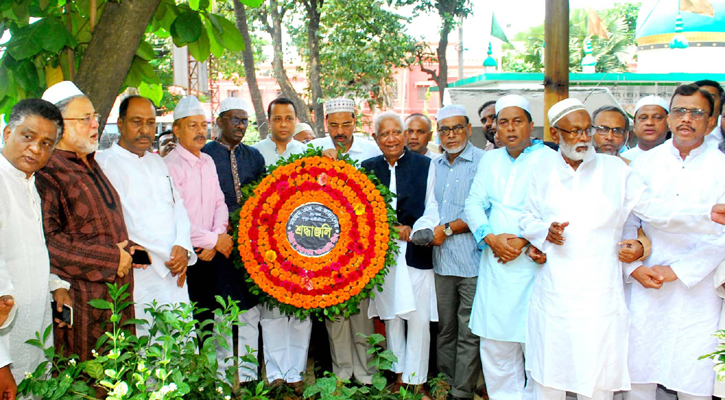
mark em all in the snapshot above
pixel 349 306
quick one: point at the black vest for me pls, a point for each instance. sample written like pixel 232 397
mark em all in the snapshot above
pixel 411 174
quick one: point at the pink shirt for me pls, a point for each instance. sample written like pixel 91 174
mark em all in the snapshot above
pixel 196 179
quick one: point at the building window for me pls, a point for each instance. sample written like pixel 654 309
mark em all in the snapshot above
pixel 422 91
pixel 232 93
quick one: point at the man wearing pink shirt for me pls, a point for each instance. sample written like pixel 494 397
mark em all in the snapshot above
pixel 195 177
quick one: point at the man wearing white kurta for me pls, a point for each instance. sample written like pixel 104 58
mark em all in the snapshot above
pixel 286 338
pixel 152 208
pixel 280 143
pixel 578 324
pixel 340 121
pixel 506 277
pixel 650 125
pixel 33 129
pixel 408 294
pixel 675 313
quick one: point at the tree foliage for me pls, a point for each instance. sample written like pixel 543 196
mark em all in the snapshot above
pixel 611 54
pixel 50 46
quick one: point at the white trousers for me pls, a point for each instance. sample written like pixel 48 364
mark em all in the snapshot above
pixel 542 392
pixel 247 335
pixel 286 342
pixel 504 372
pixel 648 391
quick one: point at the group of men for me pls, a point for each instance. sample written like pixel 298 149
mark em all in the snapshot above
pixel 548 271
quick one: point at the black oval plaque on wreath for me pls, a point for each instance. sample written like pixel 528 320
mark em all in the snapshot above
pixel 313 230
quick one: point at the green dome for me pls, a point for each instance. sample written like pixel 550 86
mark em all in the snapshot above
pixel 657 17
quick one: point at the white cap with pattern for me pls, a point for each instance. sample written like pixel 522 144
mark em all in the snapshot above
pixel 301 127
pixel 453 110
pixel 563 108
pixel 338 105
pixel 233 103
pixel 187 107
pixel 651 101
pixel 61 91
pixel 512 100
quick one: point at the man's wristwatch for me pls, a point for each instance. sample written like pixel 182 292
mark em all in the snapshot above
pixel 188 255
pixel 447 230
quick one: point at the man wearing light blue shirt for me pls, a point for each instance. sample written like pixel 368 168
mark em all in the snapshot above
pixel 455 254
pixel 505 278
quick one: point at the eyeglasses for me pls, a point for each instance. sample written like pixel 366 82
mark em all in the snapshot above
pixel 577 133
pixel 457 130
pixel 695 113
pixel 603 130
pixel 86 120
pixel 235 121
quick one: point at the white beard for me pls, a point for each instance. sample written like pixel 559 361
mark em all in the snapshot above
pixel 571 153
pixel 455 150
pixel 85 146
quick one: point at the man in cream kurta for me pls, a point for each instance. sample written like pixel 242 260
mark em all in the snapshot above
pixel 494 209
pixel 673 318
pixel 33 129
pixel 152 208
pixel 575 213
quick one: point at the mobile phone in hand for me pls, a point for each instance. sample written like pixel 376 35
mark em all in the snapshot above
pixel 141 257
pixel 65 316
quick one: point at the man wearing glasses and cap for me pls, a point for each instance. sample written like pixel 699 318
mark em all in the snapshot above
pixel 340 120
pixel 650 125
pixel 236 165
pixel 303 133
pixel 83 221
pixel 578 324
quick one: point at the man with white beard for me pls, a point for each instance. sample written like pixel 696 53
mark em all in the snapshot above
pixel 578 322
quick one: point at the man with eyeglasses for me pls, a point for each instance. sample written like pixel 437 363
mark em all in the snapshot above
pixel 194 176
pixel 674 315
pixel 237 165
pixel 85 230
pixel 575 212
pixel 455 254
pixel 487 115
pixel 505 275
pixel 650 125
pixel 152 208
pixel 418 132
pixel 408 296
pixel 303 133
pixel 340 121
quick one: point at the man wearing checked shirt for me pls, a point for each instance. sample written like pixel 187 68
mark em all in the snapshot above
pixel 456 255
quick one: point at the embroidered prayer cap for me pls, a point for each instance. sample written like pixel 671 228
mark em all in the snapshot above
pixel 563 108
pixel 301 127
pixel 512 100
pixel 338 105
pixel 453 110
pixel 651 101
pixel 61 91
pixel 233 103
pixel 187 107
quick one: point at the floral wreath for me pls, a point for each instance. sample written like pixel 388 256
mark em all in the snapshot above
pixel 315 235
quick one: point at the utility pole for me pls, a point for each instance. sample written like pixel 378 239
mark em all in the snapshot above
pixel 556 56
pixel 460 48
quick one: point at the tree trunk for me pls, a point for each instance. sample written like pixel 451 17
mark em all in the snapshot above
pixel 107 59
pixel 303 112
pixel 556 56
pixel 445 10
pixel 314 8
pixel 240 14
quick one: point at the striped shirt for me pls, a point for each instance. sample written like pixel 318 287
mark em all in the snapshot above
pixel 459 254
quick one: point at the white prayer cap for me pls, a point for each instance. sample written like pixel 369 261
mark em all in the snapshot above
pixel 453 110
pixel 563 108
pixel 651 101
pixel 61 91
pixel 300 127
pixel 338 105
pixel 233 103
pixel 187 107
pixel 512 100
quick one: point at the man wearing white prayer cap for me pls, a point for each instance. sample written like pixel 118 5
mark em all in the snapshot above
pixel 195 177
pixel 578 323
pixel 505 275
pixel 650 125
pixel 85 230
pixel 303 133
pixel 236 165
pixel 340 122
pixel 455 254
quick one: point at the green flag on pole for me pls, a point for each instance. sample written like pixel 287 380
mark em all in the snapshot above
pixel 496 30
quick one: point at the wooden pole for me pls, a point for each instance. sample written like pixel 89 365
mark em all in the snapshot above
pixel 556 56
pixel 92 14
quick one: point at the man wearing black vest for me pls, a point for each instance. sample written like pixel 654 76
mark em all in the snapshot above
pixel 408 294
